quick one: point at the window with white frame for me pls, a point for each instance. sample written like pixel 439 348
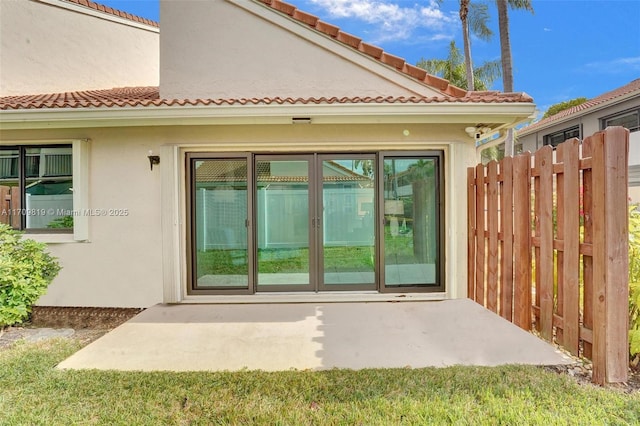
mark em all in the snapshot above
pixel 43 187
pixel 629 119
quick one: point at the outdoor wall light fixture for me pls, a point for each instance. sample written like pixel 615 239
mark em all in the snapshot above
pixel 153 159
pixel 477 131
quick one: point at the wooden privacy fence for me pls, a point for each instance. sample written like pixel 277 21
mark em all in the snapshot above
pixel 548 245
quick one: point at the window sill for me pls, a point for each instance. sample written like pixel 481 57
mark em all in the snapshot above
pixel 52 238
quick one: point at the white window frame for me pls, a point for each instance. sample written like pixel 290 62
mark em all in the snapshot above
pixel 80 153
pixel 604 121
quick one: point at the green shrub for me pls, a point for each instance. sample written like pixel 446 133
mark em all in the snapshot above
pixel 26 270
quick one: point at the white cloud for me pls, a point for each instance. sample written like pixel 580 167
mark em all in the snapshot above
pixel 614 66
pixel 390 20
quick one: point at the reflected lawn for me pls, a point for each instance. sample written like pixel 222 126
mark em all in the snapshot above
pixel 289 260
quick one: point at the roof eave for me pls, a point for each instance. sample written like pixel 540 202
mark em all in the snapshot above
pixel 437 112
pixel 578 114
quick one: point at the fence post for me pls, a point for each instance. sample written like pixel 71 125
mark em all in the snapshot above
pixel 471 233
pixel 610 256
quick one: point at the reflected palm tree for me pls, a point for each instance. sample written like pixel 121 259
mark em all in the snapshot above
pixel 422 177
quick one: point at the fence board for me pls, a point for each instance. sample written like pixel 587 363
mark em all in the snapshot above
pixel 506 248
pixel 616 152
pixel 571 254
pixel 544 229
pixel 480 239
pixel 587 255
pixel 599 271
pixel 558 245
pixel 492 226
pixel 471 233
pixel 521 240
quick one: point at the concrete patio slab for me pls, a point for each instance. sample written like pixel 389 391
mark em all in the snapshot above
pixel 314 336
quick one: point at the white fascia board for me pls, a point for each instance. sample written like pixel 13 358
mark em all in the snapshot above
pixel 264 114
pixel 326 42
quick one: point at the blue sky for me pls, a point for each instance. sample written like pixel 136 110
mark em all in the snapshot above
pixel 566 49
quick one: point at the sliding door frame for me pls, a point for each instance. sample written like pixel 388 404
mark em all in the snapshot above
pixel 316 227
pixel 439 286
pixel 192 288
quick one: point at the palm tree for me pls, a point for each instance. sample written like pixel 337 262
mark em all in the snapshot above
pixel 464 14
pixel 474 17
pixel 505 52
pixel 453 69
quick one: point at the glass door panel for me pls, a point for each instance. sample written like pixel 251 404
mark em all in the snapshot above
pixel 411 229
pixel 283 224
pixel 347 222
pixel 219 224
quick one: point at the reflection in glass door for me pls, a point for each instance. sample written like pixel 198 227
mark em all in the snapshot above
pixel 283 229
pixel 411 222
pixel 219 218
pixel 347 227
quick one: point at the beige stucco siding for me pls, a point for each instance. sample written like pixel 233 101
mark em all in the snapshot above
pixel 217 49
pixel 48 47
pixel 125 260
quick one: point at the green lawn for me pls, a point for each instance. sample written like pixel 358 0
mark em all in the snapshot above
pixel 33 392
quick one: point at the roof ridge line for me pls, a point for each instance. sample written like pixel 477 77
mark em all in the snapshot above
pixel 371 50
pixel 115 12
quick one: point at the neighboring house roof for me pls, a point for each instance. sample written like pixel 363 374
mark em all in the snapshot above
pixel 115 12
pixel 584 108
pixel 149 96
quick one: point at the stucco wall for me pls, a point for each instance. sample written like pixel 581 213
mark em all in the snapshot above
pixel 122 264
pixel 217 49
pixel 50 48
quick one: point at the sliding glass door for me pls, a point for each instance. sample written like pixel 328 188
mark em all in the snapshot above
pixel 346 188
pixel 219 244
pixel 284 223
pixel 315 222
pixel 412 228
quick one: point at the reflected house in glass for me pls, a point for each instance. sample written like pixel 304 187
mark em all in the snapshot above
pixel 293 157
pixel 38 181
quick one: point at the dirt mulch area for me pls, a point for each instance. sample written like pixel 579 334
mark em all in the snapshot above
pixel 82 324
pixel 81 318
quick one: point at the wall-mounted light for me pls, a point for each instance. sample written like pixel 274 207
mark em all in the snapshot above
pixel 477 131
pixel 154 160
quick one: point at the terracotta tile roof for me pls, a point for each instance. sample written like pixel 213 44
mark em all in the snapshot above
pixel 375 52
pixel 149 97
pixel 112 11
pixel 583 108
